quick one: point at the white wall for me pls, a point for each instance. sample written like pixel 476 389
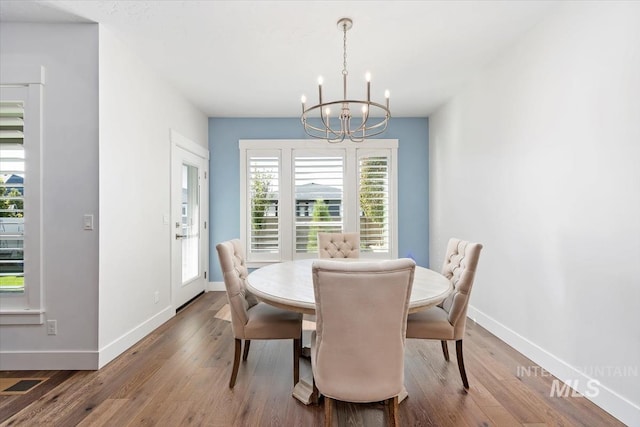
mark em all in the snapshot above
pixel 106 143
pixel 137 110
pixel 70 189
pixel 539 160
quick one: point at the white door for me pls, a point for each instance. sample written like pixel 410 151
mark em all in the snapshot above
pixel 189 217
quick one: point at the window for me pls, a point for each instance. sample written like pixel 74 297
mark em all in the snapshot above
pixel 20 200
pixel 292 189
pixel 263 176
pixel 11 197
pixel 373 173
pixel 318 183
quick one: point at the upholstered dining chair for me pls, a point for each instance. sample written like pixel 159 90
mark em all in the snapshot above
pixel 447 320
pixel 357 350
pixel 339 245
pixel 251 319
pixel 333 245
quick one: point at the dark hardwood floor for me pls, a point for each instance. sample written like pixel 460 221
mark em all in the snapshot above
pixel 179 375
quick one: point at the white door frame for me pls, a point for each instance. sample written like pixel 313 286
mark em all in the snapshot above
pixel 179 144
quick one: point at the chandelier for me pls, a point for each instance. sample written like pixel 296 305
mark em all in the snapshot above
pixel 372 118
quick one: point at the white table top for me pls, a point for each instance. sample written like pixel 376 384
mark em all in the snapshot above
pixel 289 285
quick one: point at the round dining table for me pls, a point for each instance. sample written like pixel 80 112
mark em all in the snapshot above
pixel 289 285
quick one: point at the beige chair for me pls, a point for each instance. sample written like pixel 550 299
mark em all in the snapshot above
pixel 339 245
pixel 447 320
pixel 333 245
pixel 357 350
pixel 251 319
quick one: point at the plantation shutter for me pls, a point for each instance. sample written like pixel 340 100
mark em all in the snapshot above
pixel 318 206
pixel 12 196
pixel 374 198
pixel 263 189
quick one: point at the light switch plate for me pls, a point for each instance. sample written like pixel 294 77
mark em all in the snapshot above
pixel 88 222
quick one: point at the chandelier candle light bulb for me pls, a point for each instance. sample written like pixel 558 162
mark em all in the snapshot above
pixel 375 116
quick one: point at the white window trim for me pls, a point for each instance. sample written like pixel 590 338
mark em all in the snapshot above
pixel 283 148
pixel 28 308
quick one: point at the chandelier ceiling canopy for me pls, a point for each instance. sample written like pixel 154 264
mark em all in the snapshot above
pixel 354 119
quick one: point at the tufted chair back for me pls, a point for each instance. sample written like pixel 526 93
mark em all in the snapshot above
pixel 234 270
pixel 339 245
pixel 459 266
pixel 357 351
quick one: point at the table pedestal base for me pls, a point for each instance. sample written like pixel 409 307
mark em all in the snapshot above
pixel 303 391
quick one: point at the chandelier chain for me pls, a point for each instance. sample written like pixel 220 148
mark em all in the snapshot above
pixel 344 47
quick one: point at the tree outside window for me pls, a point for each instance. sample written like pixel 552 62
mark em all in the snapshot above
pixel 320 214
pixel 11 250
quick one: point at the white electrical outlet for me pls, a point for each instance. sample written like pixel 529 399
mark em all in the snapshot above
pixel 156 297
pixel 52 327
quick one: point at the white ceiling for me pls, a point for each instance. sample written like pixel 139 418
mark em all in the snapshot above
pixel 256 58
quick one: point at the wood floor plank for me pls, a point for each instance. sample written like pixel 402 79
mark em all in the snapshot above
pixel 500 416
pixel 179 374
pixel 12 404
pixel 428 372
pixel 104 413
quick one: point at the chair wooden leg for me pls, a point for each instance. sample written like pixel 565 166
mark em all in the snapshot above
pixel 297 352
pixel 236 363
pixel 445 350
pixel 315 394
pixel 463 373
pixel 245 354
pixel 392 405
pixel 328 415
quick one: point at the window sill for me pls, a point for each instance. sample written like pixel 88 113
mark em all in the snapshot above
pixel 21 317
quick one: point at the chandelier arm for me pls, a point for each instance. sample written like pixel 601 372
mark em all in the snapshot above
pixel 308 126
pixel 322 117
pixel 377 105
pixel 382 122
pixel 365 119
pixel 339 138
pixel 366 129
pixel 345 125
pixel 378 132
pixel 321 134
pixel 327 127
pixel 348 101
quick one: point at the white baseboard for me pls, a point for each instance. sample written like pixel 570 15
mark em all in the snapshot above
pixel 48 360
pixel 607 399
pixel 122 343
pixel 215 286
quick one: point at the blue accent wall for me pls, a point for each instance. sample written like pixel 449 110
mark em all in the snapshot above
pixel 224 178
